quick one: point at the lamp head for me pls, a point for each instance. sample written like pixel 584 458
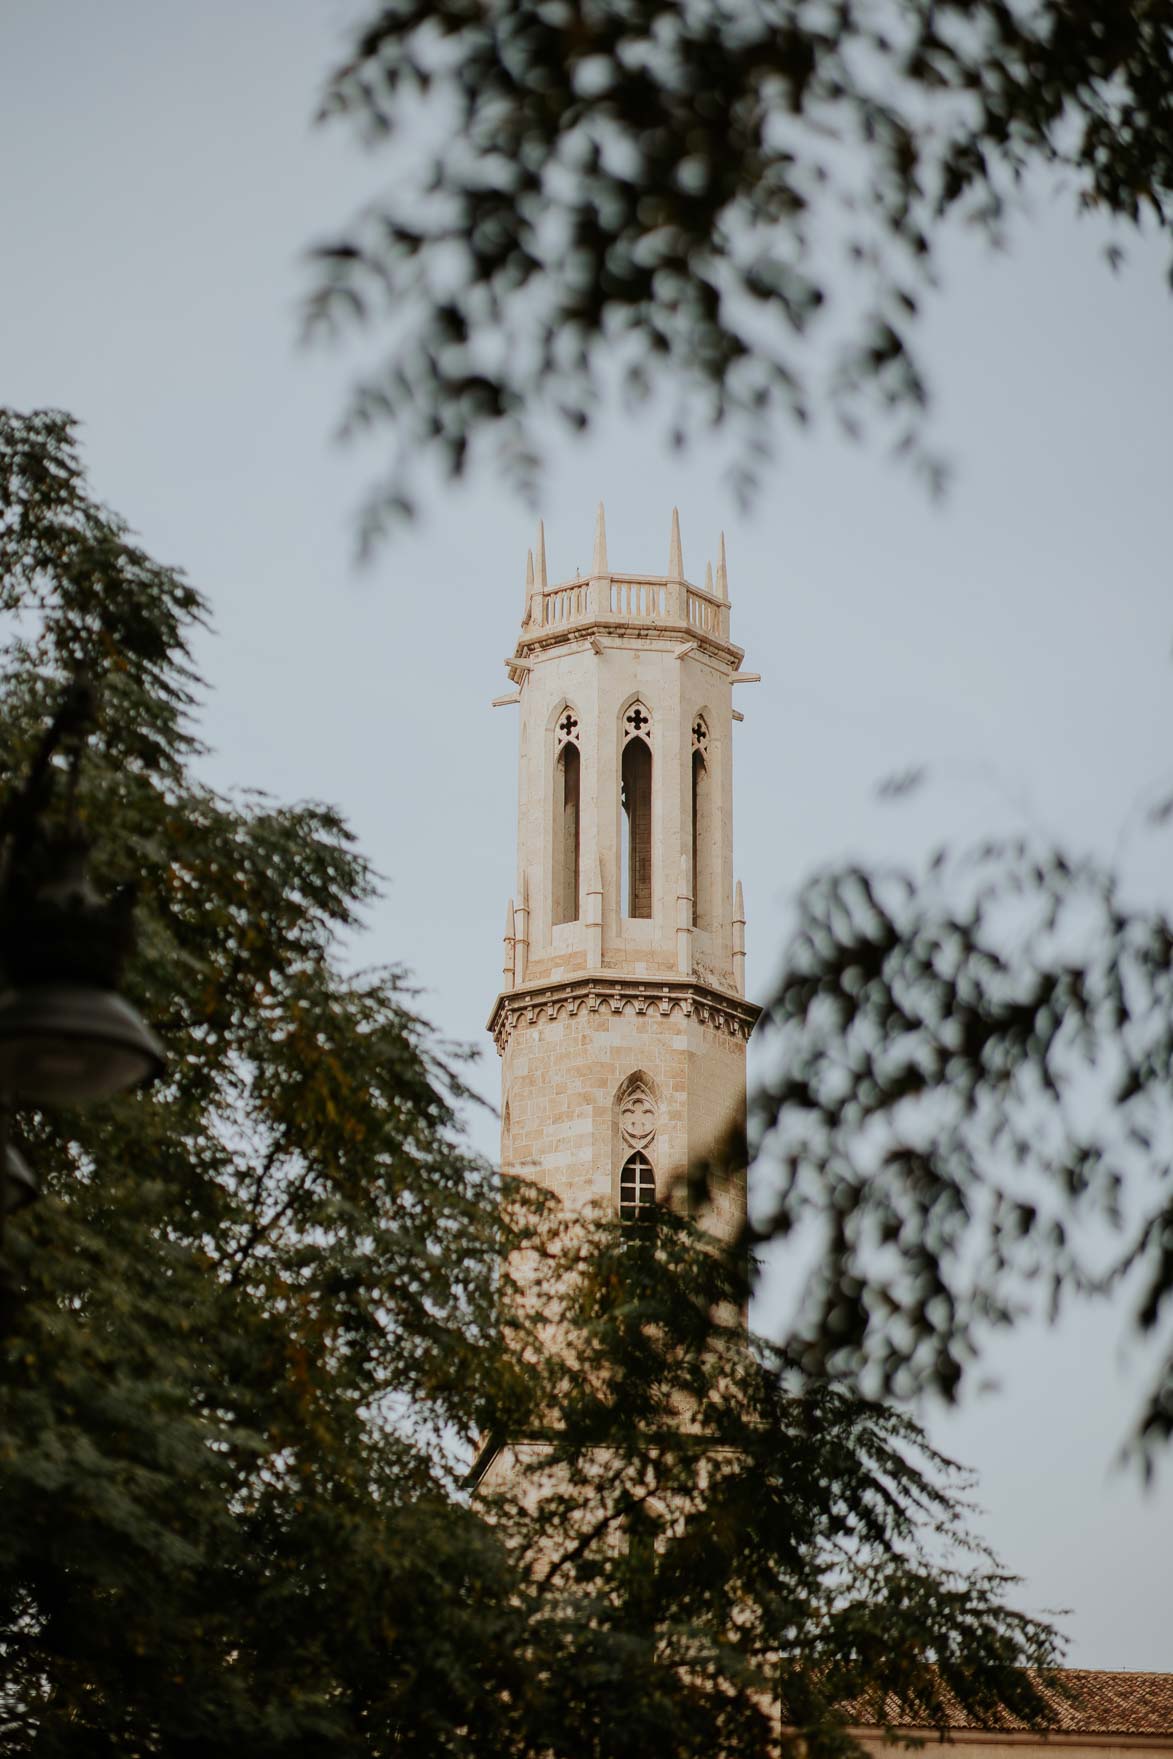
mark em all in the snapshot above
pixel 61 1043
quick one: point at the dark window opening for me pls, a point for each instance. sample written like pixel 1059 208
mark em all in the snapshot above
pixel 637 812
pixel 637 1189
pixel 702 841
pixel 566 834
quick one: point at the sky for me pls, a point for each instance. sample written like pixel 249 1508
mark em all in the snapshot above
pixel 162 182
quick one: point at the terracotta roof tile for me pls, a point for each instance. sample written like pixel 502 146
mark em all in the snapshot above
pixel 1094 1702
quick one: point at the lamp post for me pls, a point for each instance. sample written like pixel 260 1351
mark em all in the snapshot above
pixel 66 1034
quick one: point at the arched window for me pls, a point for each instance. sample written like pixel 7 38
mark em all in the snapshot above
pixel 567 790
pixel 636 794
pixel 637 1189
pixel 702 828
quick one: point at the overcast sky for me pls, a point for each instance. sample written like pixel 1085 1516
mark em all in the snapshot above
pixel 162 179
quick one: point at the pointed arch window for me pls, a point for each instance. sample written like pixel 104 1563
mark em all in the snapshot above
pixel 637 1189
pixel 567 837
pixel 702 827
pixel 636 796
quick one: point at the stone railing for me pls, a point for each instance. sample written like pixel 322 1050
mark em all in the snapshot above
pixel 633 598
pixel 566 604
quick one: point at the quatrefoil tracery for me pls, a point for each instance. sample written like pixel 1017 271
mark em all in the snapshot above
pixel 637 723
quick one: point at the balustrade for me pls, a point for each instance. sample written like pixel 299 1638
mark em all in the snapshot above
pixel 631 598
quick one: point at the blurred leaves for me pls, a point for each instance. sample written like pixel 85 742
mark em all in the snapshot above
pixel 739 203
pixel 970 1111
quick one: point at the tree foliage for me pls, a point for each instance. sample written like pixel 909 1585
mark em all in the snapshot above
pixel 970 1111
pixel 742 200
pixel 266 1310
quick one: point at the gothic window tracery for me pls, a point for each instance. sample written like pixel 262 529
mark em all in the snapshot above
pixel 637 1115
pixel 637 723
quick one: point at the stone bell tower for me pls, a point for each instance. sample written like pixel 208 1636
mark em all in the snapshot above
pixel 622 1019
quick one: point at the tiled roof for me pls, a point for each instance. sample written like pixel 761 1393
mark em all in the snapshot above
pixel 1092 1702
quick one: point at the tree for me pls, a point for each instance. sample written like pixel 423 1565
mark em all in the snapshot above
pixel 268 1307
pixel 231 1278
pixel 743 204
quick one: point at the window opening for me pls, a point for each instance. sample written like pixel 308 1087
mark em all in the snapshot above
pixel 566 835
pixel 566 840
pixel 636 798
pixel 637 1189
pixel 702 829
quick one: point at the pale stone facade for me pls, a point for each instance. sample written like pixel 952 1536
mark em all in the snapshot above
pixel 624 948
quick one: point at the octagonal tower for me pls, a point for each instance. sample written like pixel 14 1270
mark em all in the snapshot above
pixel 622 1020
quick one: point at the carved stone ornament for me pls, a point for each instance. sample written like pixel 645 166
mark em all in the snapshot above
pixel 637 1117
pixel 717 1008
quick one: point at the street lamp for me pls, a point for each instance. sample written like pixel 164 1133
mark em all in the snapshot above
pixel 66 1034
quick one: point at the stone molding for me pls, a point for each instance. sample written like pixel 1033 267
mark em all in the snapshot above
pixel 603 633
pixel 617 993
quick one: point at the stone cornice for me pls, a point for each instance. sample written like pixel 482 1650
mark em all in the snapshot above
pixel 617 992
pixel 613 630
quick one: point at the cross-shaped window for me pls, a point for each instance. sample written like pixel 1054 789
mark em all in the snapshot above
pixel 568 725
pixel 699 732
pixel 637 720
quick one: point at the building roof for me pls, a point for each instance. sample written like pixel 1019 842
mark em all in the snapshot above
pixel 1088 1702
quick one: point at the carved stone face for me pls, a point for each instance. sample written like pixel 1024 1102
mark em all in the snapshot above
pixel 637 1118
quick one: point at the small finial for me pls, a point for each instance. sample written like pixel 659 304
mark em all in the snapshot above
pixel 543 582
pixel 509 927
pixel 596 875
pixel 708 577
pixel 675 553
pixel 524 889
pixel 722 571
pixel 685 883
pixel 599 559
pixel 739 904
pixel 529 568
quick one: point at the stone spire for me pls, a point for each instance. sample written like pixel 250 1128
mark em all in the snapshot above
pixel 599 559
pixel 722 572
pixel 675 553
pixel 543 582
pixel 708 577
pixel 739 939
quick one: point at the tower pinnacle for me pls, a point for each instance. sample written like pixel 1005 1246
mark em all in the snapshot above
pixel 599 559
pixel 675 553
pixel 543 583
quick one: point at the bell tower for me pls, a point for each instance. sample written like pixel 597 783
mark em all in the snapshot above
pixel 622 1019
